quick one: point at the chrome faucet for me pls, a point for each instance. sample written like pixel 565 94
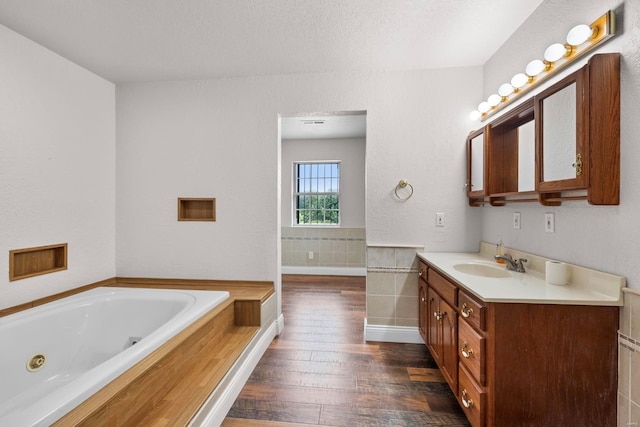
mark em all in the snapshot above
pixel 511 264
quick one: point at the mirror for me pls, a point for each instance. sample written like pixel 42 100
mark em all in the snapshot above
pixel 562 137
pixel 526 157
pixel 477 163
pixel 559 135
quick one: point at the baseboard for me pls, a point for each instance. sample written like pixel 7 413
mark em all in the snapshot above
pixel 325 271
pixel 279 324
pixel 399 334
pixel 215 409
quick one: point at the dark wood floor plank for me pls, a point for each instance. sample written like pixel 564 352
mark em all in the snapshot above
pixel 243 422
pixel 376 417
pixel 279 411
pixel 321 372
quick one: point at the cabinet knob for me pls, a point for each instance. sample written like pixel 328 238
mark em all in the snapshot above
pixel 422 299
pixel 466 311
pixel 421 273
pixel 437 315
pixel 468 403
pixel 466 353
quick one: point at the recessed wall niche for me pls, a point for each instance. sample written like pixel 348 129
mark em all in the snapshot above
pixel 196 209
pixel 29 262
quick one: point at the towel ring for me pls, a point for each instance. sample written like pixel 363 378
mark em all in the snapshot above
pixel 403 184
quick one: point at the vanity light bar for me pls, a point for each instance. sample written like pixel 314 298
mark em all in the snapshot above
pixel 580 40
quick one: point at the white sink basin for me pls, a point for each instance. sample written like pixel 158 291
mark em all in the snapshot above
pixel 481 269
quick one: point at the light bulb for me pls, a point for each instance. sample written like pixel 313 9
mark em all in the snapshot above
pixel 483 107
pixel 475 115
pixel 555 52
pixel 519 80
pixel 580 34
pixel 535 67
pixel 505 90
pixel 494 99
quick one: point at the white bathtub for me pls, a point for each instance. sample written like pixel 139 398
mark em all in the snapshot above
pixel 86 340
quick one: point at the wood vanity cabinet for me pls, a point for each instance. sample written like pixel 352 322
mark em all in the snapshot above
pixel 527 364
pixel 440 323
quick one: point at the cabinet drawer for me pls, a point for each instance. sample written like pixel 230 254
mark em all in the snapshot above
pixel 472 398
pixel 471 351
pixel 447 290
pixel 472 311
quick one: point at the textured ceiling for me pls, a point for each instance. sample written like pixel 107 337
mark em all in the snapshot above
pixel 153 40
pixel 335 125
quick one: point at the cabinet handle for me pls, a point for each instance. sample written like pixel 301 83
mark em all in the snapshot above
pixel 466 353
pixel 420 273
pixel 437 315
pixel 422 299
pixel 578 165
pixel 466 311
pixel 467 403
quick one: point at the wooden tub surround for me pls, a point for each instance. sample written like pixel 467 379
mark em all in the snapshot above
pixel 170 385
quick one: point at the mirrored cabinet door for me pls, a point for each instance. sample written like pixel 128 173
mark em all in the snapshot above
pixel 477 163
pixel 526 157
pixel 562 142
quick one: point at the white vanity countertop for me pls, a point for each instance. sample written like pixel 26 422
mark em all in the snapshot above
pixel 585 287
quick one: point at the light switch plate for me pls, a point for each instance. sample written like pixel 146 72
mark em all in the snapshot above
pixel 549 222
pixel 516 220
pixel 439 219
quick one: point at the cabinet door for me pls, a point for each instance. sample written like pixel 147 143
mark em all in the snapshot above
pixel 562 139
pixel 477 164
pixel 423 311
pixel 449 331
pixel 433 325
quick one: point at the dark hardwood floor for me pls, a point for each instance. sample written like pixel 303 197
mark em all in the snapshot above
pixel 320 371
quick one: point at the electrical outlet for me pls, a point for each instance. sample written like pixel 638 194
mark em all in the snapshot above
pixel 439 219
pixel 310 255
pixel 549 222
pixel 516 220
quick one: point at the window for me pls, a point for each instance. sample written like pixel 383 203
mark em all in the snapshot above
pixel 316 199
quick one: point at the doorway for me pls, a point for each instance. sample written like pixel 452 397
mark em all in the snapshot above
pixel 323 193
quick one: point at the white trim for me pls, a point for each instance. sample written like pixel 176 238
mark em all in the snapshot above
pixel 325 271
pixel 400 334
pixel 215 409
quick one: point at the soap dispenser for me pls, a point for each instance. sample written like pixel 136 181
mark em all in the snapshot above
pixel 500 250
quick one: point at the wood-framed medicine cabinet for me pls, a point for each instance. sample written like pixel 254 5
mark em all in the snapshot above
pixel 562 144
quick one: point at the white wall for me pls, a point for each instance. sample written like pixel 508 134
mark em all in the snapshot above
pixel 604 238
pixel 219 138
pixel 351 153
pixel 57 167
